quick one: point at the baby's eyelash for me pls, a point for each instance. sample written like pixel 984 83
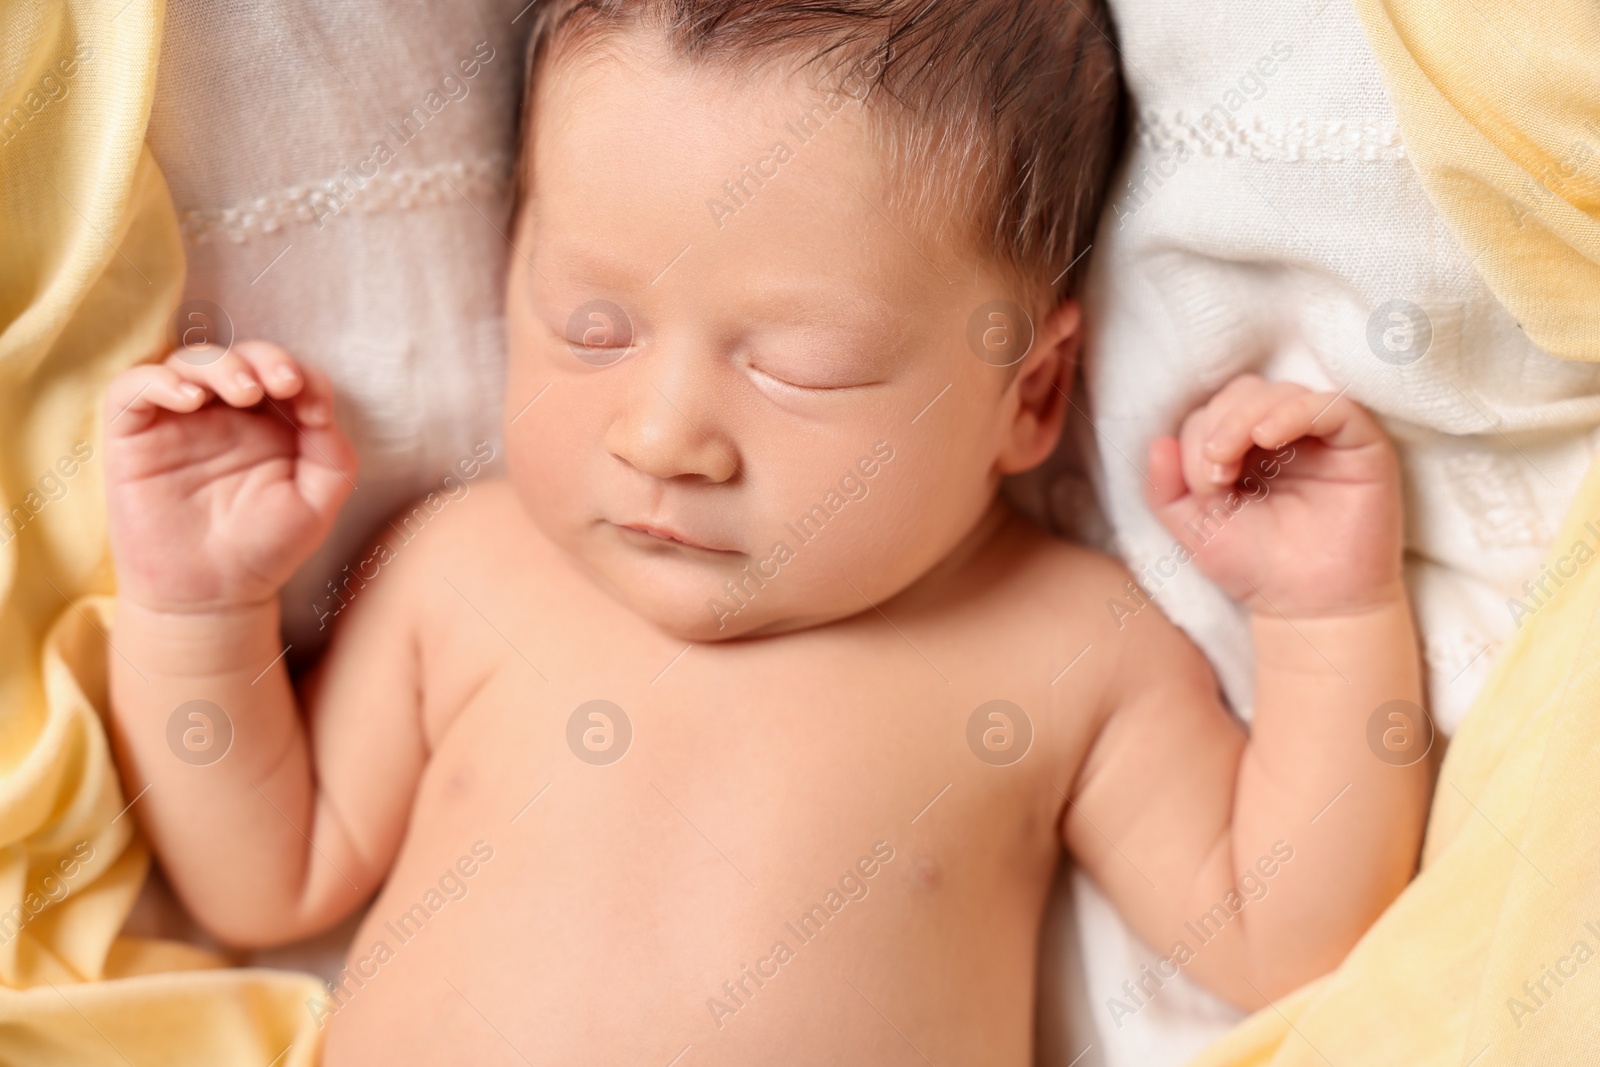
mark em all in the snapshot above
pixel 810 388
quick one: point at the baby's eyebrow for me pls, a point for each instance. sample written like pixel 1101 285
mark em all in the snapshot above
pixel 822 305
pixel 784 301
pixel 584 266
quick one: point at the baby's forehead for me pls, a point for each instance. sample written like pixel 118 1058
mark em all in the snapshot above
pixel 992 122
pixel 646 176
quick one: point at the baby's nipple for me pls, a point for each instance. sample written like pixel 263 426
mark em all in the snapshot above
pixel 926 873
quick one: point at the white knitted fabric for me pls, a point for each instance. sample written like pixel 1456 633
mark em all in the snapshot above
pixel 1266 220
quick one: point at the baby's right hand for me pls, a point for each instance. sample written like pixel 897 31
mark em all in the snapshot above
pixel 221 477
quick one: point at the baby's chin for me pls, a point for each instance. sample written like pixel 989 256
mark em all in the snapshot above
pixel 686 598
pixel 693 601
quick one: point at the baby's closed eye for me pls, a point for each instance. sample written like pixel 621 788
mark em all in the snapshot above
pixel 822 359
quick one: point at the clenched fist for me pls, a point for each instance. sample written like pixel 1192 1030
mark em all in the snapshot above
pixel 1287 499
pixel 222 476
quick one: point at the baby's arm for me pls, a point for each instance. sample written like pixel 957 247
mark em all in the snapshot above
pixel 1265 854
pixel 223 478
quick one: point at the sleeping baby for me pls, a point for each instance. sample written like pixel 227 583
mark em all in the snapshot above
pixel 743 721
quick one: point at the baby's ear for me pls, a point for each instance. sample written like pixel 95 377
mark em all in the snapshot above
pixel 1043 381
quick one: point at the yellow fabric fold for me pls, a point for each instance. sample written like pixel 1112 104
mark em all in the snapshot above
pixel 1499 104
pixel 91 269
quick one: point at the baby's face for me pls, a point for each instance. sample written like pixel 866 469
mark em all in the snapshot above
pixel 749 410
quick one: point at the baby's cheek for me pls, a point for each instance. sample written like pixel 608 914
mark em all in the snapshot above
pixel 546 467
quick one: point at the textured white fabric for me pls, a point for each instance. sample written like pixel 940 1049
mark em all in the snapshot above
pixel 1266 238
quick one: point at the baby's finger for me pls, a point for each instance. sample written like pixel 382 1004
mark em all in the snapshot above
pixel 1235 414
pixel 227 375
pixel 1197 473
pixel 1334 418
pixel 1167 493
pixel 1164 473
pixel 313 404
pixel 274 368
pixel 326 471
pixel 1204 472
pixel 137 393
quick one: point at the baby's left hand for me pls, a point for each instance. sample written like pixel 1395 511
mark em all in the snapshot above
pixel 1288 499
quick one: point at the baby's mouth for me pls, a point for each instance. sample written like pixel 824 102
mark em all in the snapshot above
pixel 654 535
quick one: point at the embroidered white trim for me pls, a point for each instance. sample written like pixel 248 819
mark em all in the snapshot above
pixel 396 189
pixel 1299 140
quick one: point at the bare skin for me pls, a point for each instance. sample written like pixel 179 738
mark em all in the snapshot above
pixel 617 891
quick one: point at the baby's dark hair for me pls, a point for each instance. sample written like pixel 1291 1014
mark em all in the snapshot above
pixel 1000 120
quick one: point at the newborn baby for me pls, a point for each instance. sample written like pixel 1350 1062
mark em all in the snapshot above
pixel 744 722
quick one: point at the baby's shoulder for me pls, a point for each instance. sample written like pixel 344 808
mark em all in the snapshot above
pixel 461 531
pixel 461 514
pixel 1032 569
pixel 1028 602
pixel 1034 618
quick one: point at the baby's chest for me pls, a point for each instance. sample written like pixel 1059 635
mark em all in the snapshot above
pixel 655 832
pixel 757 765
pixel 650 844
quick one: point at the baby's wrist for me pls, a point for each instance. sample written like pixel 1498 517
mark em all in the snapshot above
pixel 1302 641
pixel 1348 605
pixel 214 641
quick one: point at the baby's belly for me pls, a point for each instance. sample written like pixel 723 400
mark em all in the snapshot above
pixel 811 888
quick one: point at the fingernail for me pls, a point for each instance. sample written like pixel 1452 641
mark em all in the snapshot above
pixel 191 390
pixel 246 382
pixel 1219 473
pixel 283 373
pixel 314 413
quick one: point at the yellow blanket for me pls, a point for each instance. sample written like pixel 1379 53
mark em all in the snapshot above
pixel 1480 957
pixel 1499 102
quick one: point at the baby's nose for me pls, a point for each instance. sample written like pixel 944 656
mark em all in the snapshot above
pixel 668 429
